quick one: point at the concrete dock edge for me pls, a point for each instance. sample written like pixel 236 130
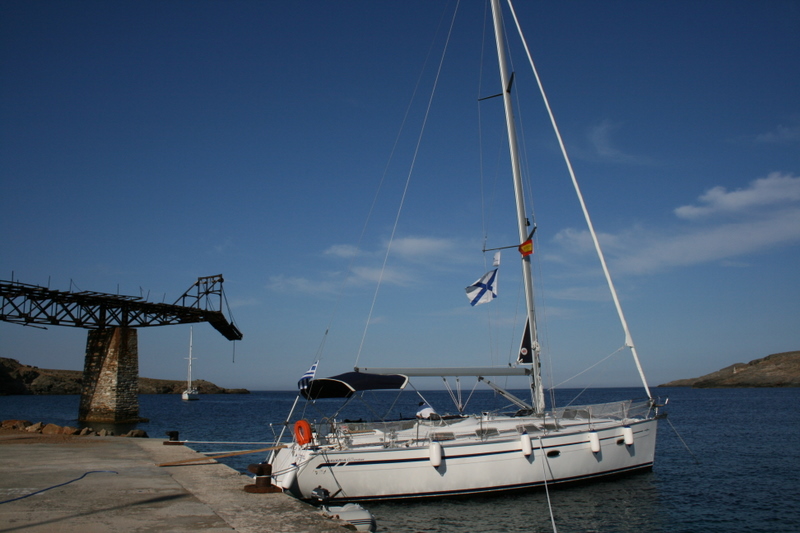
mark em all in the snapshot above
pixel 127 491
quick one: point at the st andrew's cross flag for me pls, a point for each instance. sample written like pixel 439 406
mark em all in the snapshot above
pixel 484 290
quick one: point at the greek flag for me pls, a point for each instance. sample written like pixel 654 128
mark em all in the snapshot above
pixel 307 377
pixel 484 290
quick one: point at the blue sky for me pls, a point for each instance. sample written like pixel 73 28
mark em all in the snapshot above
pixel 145 144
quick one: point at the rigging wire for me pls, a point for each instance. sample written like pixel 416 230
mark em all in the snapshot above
pixel 590 225
pixel 696 460
pixel 609 356
pixel 546 488
pixel 407 184
pixel 485 211
pixel 349 270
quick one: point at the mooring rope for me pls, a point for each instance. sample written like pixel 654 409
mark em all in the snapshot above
pixel 222 442
pixel 210 457
pixel 60 484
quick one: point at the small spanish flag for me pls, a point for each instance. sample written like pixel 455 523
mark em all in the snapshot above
pixel 526 248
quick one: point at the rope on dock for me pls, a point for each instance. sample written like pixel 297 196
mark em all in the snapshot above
pixel 205 458
pixel 61 484
pixel 220 442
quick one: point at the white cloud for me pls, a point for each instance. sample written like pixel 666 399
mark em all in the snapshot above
pixel 600 137
pixel 388 275
pixel 714 243
pixel 415 248
pixel 342 250
pixel 580 241
pixel 776 188
pixel 406 256
pixel 767 214
pixel 422 248
pixel 283 283
pixel 781 135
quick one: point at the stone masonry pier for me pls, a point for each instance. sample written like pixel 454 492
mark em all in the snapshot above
pixel 110 389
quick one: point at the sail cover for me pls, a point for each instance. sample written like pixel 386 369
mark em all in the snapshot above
pixel 525 348
pixel 344 385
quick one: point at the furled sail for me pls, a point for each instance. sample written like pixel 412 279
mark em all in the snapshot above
pixel 525 350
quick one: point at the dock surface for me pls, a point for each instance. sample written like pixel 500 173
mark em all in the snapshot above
pixel 127 490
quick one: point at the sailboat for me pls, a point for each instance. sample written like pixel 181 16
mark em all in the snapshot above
pixel 191 392
pixel 529 446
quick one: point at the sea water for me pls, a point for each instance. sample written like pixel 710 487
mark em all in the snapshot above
pixel 726 460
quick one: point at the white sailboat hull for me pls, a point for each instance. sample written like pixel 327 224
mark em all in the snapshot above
pixel 467 466
pixel 190 395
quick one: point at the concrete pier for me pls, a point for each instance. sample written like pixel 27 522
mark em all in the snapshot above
pixel 140 495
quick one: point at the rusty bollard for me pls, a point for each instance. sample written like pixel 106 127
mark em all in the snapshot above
pixel 263 484
pixel 173 439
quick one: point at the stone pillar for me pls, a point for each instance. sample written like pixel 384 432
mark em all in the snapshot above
pixel 110 390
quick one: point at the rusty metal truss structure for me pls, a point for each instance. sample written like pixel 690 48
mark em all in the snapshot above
pixel 33 305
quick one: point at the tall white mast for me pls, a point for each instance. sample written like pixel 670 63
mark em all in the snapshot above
pixel 537 391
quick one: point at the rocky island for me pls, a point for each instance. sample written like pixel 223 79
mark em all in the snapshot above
pixel 17 378
pixel 776 370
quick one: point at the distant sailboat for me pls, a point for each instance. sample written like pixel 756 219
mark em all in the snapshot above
pixel 191 392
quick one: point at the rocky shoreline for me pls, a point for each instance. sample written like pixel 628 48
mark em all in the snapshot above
pixel 17 378
pixel 776 370
pixel 53 429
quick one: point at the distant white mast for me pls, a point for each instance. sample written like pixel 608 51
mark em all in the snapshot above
pixel 189 379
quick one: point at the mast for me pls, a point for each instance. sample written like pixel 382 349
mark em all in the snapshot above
pixel 189 379
pixel 537 392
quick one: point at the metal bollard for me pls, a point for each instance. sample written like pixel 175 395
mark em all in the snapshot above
pixel 263 484
pixel 173 439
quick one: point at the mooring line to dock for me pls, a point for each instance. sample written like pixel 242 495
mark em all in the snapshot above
pixel 220 442
pixel 60 485
pixel 205 458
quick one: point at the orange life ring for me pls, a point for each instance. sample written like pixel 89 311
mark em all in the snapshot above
pixel 302 432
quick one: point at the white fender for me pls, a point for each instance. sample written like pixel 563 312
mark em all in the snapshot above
pixel 627 432
pixel 525 444
pixel 594 441
pixel 435 454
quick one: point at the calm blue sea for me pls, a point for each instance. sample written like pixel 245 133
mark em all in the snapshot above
pixel 743 472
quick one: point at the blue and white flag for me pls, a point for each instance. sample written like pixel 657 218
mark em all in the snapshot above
pixel 307 377
pixel 484 290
